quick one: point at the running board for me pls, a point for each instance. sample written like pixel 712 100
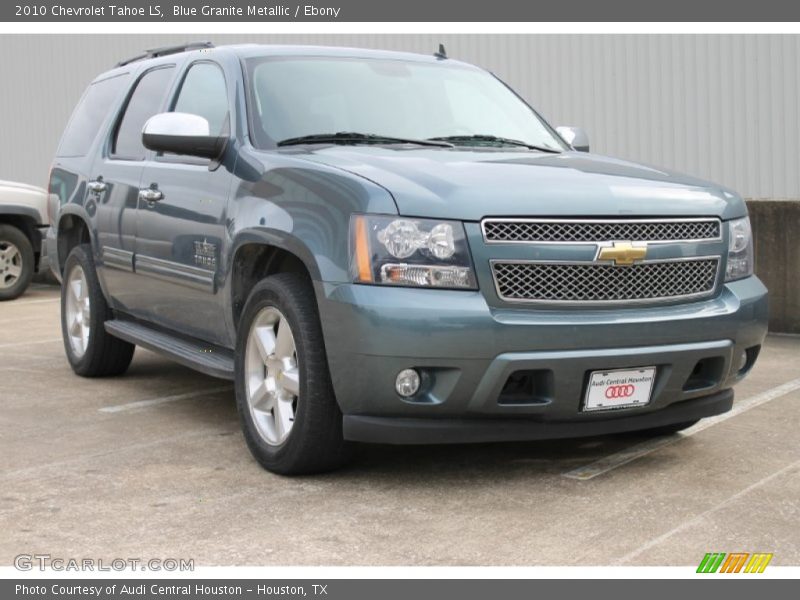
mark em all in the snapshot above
pixel 195 354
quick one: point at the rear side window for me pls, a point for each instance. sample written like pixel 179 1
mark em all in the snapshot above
pixel 89 115
pixel 145 101
pixel 204 93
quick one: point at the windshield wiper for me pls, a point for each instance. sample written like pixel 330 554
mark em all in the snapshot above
pixel 493 139
pixel 352 137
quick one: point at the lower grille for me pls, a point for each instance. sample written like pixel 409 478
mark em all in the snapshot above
pixel 591 282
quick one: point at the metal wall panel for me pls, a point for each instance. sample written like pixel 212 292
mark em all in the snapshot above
pixel 723 107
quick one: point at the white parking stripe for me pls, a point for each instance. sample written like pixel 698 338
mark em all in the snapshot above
pixel 699 518
pixel 25 319
pixel 612 461
pixel 15 344
pixel 26 302
pixel 163 400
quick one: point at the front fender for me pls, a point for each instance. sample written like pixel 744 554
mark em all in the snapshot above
pixel 303 208
pixel 20 210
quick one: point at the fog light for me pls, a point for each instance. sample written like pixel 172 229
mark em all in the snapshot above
pixel 407 383
pixel 742 361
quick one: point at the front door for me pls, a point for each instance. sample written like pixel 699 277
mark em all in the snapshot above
pixel 181 224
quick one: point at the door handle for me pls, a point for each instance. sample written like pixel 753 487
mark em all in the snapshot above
pixel 98 186
pixel 151 194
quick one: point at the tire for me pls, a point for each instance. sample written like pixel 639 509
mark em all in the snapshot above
pixel 91 351
pixel 668 429
pixel 289 415
pixel 17 262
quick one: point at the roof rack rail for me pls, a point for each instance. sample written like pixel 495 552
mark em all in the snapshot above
pixel 166 50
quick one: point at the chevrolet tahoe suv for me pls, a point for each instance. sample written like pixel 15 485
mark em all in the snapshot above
pixel 391 248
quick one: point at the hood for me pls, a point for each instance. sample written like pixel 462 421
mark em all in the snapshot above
pixel 470 184
pixel 21 186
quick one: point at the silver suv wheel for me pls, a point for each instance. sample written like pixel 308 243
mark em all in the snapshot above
pixel 78 311
pixel 272 376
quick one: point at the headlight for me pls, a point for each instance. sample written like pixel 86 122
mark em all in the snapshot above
pixel 410 252
pixel 740 250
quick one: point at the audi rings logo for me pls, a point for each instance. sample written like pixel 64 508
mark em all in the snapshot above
pixel 620 391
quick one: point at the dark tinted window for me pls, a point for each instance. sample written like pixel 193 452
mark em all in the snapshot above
pixel 146 100
pixel 89 115
pixel 203 93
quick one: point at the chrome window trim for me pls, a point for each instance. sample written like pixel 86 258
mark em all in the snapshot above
pixel 606 221
pixel 589 303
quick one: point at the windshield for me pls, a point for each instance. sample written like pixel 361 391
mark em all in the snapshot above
pixel 293 97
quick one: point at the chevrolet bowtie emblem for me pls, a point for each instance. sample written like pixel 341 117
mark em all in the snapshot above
pixel 623 254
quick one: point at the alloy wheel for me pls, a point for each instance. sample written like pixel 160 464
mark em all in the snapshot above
pixel 272 375
pixel 78 311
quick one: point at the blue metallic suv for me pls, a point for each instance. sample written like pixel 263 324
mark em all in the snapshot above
pixel 391 248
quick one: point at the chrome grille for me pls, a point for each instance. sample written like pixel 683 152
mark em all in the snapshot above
pixel 530 281
pixel 593 231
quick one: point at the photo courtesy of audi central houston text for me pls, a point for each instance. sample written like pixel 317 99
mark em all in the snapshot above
pixel 388 247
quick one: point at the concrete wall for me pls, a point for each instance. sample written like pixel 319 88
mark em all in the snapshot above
pixel 776 227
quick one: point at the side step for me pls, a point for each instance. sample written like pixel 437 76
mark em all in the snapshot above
pixel 200 356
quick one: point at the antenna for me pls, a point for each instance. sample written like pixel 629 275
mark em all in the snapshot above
pixel 442 53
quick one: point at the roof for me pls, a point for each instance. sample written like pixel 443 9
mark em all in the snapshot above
pixel 258 50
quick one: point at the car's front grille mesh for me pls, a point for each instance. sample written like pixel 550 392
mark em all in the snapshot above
pixel 591 282
pixel 532 231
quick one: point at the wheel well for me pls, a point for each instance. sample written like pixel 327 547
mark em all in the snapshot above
pixel 254 262
pixel 27 226
pixel 72 231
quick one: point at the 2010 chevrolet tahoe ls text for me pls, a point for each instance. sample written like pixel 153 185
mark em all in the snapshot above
pixel 391 248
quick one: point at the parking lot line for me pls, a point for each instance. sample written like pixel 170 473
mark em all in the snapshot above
pixel 26 302
pixel 699 518
pixel 138 404
pixel 21 319
pixel 15 344
pixel 623 457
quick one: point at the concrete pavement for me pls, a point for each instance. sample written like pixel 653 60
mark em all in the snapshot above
pixel 152 465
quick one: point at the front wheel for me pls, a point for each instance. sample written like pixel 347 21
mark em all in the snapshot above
pixel 290 418
pixel 91 351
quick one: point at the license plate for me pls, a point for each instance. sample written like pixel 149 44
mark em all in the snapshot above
pixel 619 388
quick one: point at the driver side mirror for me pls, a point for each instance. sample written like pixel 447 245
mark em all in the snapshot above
pixel 182 133
pixel 575 137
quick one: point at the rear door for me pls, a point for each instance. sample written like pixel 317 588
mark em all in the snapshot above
pixel 181 235
pixel 72 175
pixel 117 176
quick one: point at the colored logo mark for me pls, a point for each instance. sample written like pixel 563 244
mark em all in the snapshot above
pixel 734 562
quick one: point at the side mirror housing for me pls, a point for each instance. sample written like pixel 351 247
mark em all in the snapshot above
pixel 575 137
pixel 182 133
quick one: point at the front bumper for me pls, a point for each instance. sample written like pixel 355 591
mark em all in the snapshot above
pixel 466 351
pixel 404 430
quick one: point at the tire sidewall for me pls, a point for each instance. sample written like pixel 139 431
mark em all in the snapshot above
pixel 269 293
pixel 81 257
pixel 15 236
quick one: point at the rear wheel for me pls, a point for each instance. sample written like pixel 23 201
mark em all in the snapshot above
pixel 91 351
pixel 17 262
pixel 290 418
